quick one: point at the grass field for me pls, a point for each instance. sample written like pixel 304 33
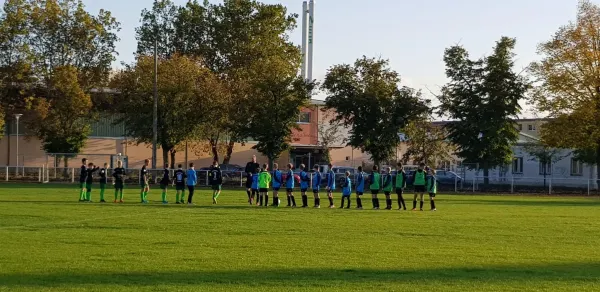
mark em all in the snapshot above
pixel 50 242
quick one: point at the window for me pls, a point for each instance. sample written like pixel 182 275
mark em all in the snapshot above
pixel 520 127
pixel 304 118
pixel 531 127
pixel 576 167
pixel 547 167
pixel 517 166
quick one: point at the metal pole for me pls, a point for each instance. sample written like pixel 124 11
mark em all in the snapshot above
pixel 304 37
pixel 241 179
pixel 588 187
pixel 17 116
pixel 512 184
pixel 155 108
pixel 311 35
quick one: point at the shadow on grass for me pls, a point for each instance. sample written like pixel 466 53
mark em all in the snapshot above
pixel 578 272
pixel 527 202
pixel 156 204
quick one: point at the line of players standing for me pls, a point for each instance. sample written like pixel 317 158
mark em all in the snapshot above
pixel 259 179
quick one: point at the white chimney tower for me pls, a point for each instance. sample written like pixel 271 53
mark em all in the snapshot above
pixel 304 37
pixel 311 35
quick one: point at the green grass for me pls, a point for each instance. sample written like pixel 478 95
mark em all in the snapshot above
pixel 50 242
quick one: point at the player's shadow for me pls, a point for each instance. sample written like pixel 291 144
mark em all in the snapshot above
pixel 528 203
pixel 565 274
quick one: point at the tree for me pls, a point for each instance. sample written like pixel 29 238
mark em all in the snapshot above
pixel 367 100
pixel 330 133
pixel 61 119
pixel 482 97
pixel 276 108
pixel 567 84
pixel 42 45
pixel 158 29
pixel 545 155
pixel 426 143
pixel 230 38
pixel 186 91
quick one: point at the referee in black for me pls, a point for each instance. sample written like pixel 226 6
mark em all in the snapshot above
pixel 251 167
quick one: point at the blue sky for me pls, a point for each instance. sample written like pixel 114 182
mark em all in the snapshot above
pixel 411 34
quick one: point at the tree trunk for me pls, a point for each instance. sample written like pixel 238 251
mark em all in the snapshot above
pixel 227 157
pixel 173 152
pixel 214 149
pixel 598 163
pixel 486 175
pixel 165 157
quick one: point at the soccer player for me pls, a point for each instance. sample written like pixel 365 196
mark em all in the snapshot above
pixel 346 190
pixel 316 185
pixel 251 168
pixel 89 180
pixel 277 181
pixel 304 182
pixel 264 180
pixel 419 184
pixel 431 188
pixel 388 186
pixel 289 186
pixel 375 182
pixel 82 178
pixel 118 181
pixel 179 179
pixel 144 186
pixel 330 185
pixel 216 180
pixel 360 187
pixel 103 181
pixel 191 182
pixel 255 193
pixel 164 183
pixel 400 186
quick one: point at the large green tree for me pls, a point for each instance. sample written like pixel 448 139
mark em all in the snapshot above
pixel 275 113
pixel 61 118
pixel 186 90
pixel 482 97
pixel 232 38
pixel 368 100
pixel 42 42
pixel 567 85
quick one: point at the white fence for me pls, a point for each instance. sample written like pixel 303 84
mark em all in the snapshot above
pixel 473 184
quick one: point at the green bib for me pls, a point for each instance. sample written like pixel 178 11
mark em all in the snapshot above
pixel 431 185
pixel 376 180
pixel 388 185
pixel 400 180
pixel 419 178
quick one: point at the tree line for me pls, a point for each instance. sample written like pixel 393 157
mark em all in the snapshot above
pixel 228 73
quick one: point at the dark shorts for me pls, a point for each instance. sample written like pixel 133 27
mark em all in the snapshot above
pixel 289 190
pixel 88 187
pixel 102 185
pixel 359 193
pixel 255 190
pixel 387 193
pixel 143 185
pixel 399 191
pixel 276 189
pixel 374 192
pixel 118 185
pixel 163 186
pixel 81 184
pixel 303 190
pixel 248 182
pixel 263 190
pixel 419 189
pixel 432 195
pixel 180 187
pixel 315 191
pixel 216 187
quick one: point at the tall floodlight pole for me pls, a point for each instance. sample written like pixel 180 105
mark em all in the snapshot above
pixel 311 36
pixel 304 37
pixel 155 108
pixel 18 116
